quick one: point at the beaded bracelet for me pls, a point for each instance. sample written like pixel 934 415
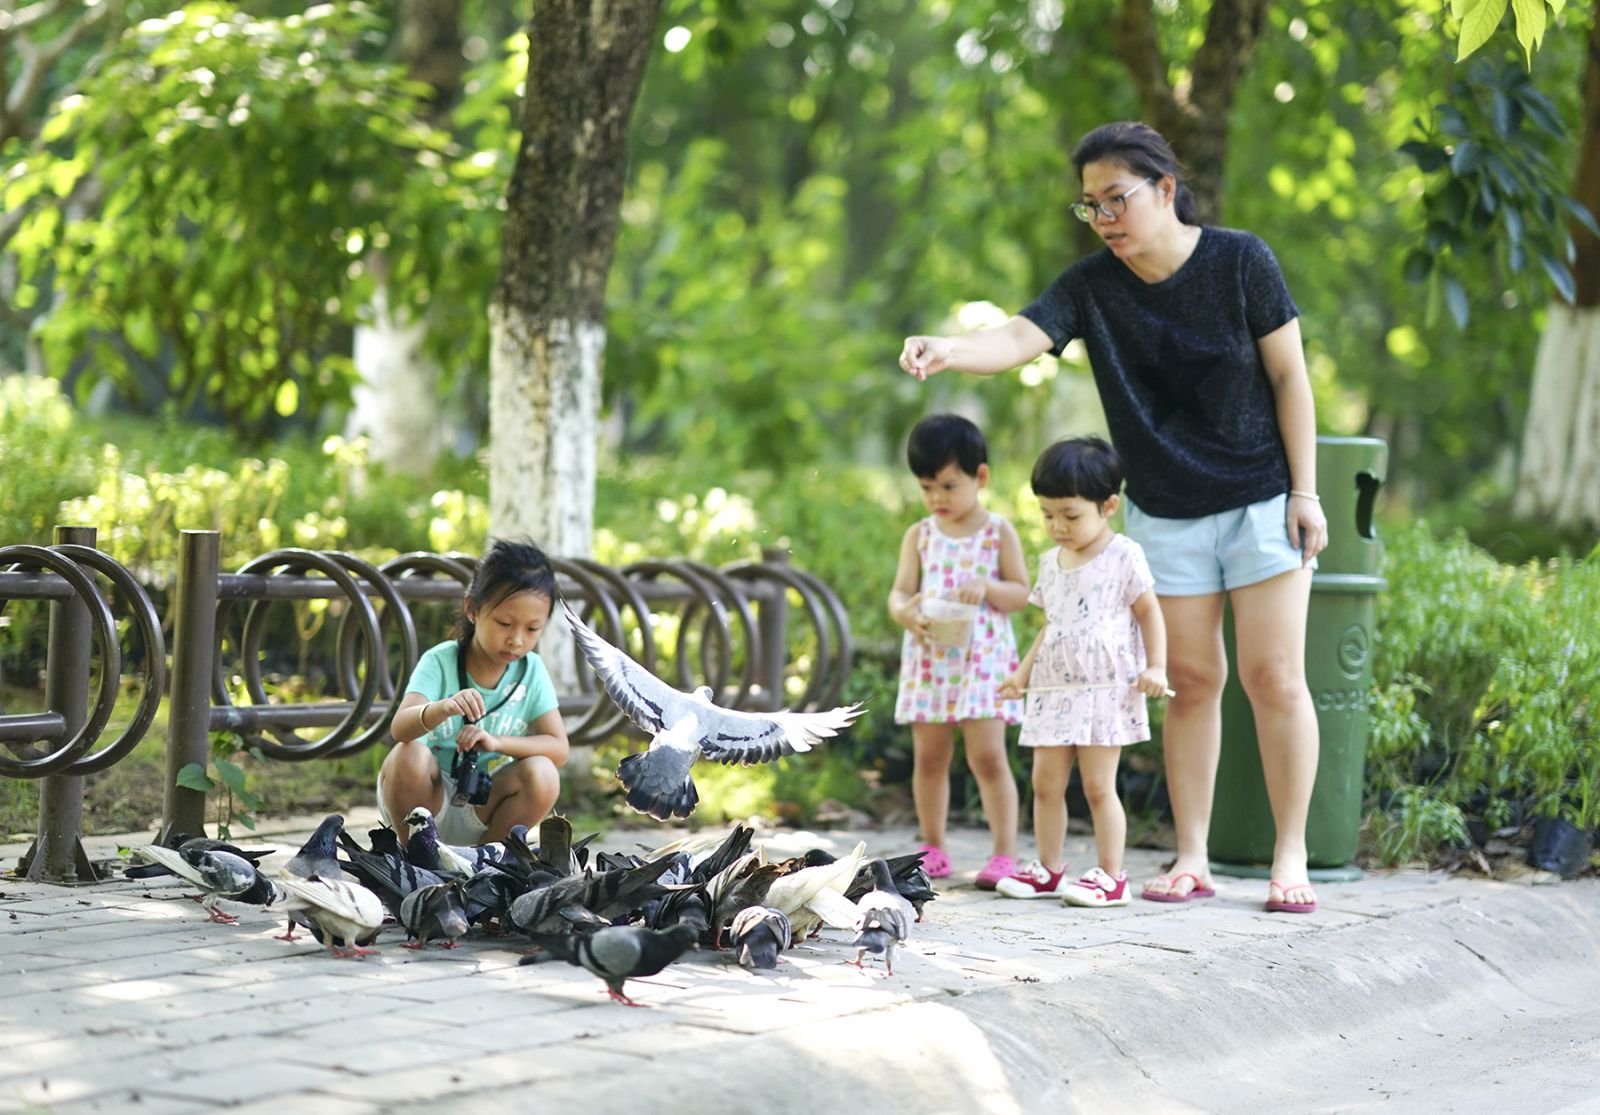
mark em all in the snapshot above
pixel 1306 495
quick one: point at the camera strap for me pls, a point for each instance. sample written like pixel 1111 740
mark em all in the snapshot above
pixel 461 674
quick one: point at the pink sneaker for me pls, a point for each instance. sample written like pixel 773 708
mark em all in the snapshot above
pixel 1033 881
pixel 1097 888
pixel 998 867
pixel 934 861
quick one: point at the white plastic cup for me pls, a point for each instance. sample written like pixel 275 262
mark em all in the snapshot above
pixel 952 622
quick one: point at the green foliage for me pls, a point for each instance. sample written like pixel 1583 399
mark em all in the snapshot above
pixel 1487 681
pixel 1481 18
pixel 245 171
pixel 1494 161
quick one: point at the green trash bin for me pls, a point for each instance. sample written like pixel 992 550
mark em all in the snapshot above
pixel 1339 645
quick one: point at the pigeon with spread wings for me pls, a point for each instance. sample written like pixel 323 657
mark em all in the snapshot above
pixel 685 726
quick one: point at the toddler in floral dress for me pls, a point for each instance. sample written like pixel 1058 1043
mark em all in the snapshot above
pixel 950 671
pixel 1102 651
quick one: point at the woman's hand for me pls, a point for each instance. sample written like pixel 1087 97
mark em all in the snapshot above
pixel 1308 527
pixel 474 738
pixel 925 356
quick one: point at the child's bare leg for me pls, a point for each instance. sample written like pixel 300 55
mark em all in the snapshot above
pixel 410 777
pixel 986 756
pixel 524 791
pixel 1097 771
pixel 1051 768
pixel 933 746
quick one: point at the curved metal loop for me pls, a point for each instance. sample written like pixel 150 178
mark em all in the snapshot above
pixel 290 746
pixel 600 602
pixel 728 594
pixel 395 612
pixel 57 761
pixel 148 621
pixel 844 653
pixel 700 595
pixel 787 580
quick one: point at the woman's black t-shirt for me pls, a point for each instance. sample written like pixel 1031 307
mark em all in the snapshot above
pixel 1185 392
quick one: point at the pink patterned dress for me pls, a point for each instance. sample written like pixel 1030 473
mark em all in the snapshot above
pixel 946 685
pixel 1091 639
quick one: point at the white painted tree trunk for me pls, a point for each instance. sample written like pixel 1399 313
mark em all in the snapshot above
pixel 396 405
pixel 1560 475
pixel 544 425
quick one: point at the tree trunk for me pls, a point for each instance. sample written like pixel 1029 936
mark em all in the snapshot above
pixel 396 402
pixel 1194 117
pixel 1561 442
pixel 586 60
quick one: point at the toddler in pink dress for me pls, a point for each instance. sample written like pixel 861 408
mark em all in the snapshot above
pixel 950 670
pixel 1102 651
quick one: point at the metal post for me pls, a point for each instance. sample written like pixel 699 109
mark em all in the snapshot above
pixel 194 641
pixel 57 855
pixel 772 621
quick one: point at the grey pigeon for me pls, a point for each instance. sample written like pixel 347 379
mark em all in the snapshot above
pixel 217 873
pixel 433 912
pixel 910 880
pixel 390 876
pixel 885 918
pixel 759 934
pixel 342 915
pixel 621 952
pixel 175 840
pixel 686 726
pixel 587 901
pixel 316 859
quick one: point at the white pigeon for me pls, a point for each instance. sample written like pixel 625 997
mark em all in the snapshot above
pixel 686 726
pixel 343 915
pixel 814 896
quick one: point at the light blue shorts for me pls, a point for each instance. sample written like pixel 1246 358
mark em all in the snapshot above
pixel 1215 553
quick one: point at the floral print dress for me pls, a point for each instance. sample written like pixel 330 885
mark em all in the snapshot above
pixel 946 685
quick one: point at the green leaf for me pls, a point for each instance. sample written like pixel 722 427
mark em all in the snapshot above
pixel 1560 276
pixel 1580 213
pixel 1418 264
pixel 1530 17
pixel 1429 157
pixel 1478 21
pixel 193 777
pixel 1455 297
pixel 232 774
pixel 1541 111
pixel 1467 157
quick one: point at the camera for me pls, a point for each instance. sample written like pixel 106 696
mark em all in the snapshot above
pixel 472 785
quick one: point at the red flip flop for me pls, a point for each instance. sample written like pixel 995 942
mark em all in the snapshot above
pixel 1279 906
pixel 1199 890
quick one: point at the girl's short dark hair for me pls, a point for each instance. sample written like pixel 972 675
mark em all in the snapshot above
pixel 1141 149
pixel 1078 468
pixel 508 568
pixel 940 439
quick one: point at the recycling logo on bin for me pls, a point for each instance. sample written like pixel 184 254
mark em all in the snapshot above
pixel 1353 650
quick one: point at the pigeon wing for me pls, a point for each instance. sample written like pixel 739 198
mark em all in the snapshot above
pixel 730 736
pixel 648 701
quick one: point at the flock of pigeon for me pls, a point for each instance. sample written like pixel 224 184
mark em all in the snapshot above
pixel 619 916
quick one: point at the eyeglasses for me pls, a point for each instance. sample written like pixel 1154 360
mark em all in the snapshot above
pixel 1111 208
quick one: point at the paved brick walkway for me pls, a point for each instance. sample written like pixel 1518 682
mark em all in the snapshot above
pixel 120 997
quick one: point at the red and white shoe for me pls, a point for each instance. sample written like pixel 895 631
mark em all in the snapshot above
pixel 1033 881
pixel 1097 888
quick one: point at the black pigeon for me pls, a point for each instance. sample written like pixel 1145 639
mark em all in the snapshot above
pixel 621 952
pixel 316 859
pixel 586 901
pixel 219 874
pixel 434 912
pixel 759 934
pixel 425 849
pixel 391 877
pixel 686 726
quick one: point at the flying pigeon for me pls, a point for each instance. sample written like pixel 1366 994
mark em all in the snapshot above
pixel 687 726
pixel 759 933
pixel 217 873
pixel 340 914
pixel 621 952
pixel 885 919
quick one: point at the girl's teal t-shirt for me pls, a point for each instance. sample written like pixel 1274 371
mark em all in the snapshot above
pixel 526 685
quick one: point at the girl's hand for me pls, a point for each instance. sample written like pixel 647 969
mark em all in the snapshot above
pixel 1152 682
pixel 1308 527
pixel 925 356
pixel 474 738
pixel 1015 685
pixel 467 704
pixel 911 618
pixel 975 590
